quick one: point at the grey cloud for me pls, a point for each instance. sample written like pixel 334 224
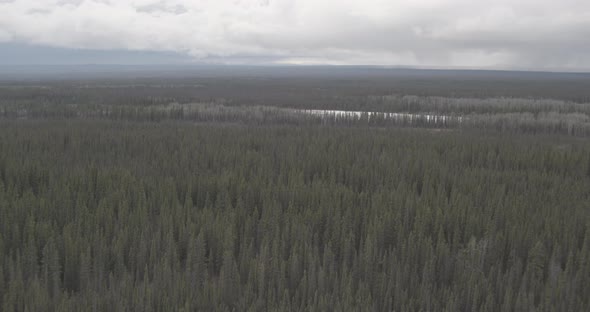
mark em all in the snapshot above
pixel 496 33
pixel 163 7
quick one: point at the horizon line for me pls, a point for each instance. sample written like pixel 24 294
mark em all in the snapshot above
pixel 187 66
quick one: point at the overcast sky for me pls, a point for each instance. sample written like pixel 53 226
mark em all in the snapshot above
pixel 519 34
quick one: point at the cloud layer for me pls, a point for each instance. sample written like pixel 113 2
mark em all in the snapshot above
pixel 540 34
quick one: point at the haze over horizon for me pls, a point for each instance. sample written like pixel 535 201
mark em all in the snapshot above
pixel 540 35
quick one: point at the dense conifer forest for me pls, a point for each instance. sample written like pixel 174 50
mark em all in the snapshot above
pixel 108 206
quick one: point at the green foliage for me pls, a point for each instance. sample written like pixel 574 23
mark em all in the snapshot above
pixel 117 215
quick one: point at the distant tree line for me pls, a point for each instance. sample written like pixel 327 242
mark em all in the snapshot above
pixel 558 119
pixel 518 104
